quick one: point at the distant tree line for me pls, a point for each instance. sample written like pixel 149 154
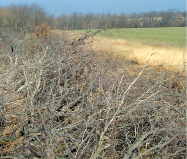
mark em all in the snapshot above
pixel 19 17
pixel 80 21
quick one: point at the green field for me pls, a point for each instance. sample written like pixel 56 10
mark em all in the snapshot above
pixel 175 36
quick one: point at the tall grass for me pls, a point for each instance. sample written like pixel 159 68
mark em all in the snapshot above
pixel 171 58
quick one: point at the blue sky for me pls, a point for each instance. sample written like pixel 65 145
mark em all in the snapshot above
pixel 58 7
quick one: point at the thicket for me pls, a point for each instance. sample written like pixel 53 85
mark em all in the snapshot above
pixel 61 99
pixel 21 17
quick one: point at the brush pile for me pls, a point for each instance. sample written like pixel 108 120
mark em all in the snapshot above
pixel 60 99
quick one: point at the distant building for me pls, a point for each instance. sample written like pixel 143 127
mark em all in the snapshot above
pixel 179 16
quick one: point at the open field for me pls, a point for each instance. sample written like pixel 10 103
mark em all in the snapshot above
pixel 168 44
pixel 155 36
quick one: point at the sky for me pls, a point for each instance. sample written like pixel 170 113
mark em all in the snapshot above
pixel 59 7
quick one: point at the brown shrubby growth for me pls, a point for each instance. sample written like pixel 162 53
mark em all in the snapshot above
pixel 61 99
pixel 42 31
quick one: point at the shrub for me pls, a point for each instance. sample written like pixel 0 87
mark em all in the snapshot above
pixel 43 31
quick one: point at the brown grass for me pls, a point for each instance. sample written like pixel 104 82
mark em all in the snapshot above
pixel 172 58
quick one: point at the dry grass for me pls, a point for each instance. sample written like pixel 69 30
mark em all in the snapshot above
pixel 172 58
